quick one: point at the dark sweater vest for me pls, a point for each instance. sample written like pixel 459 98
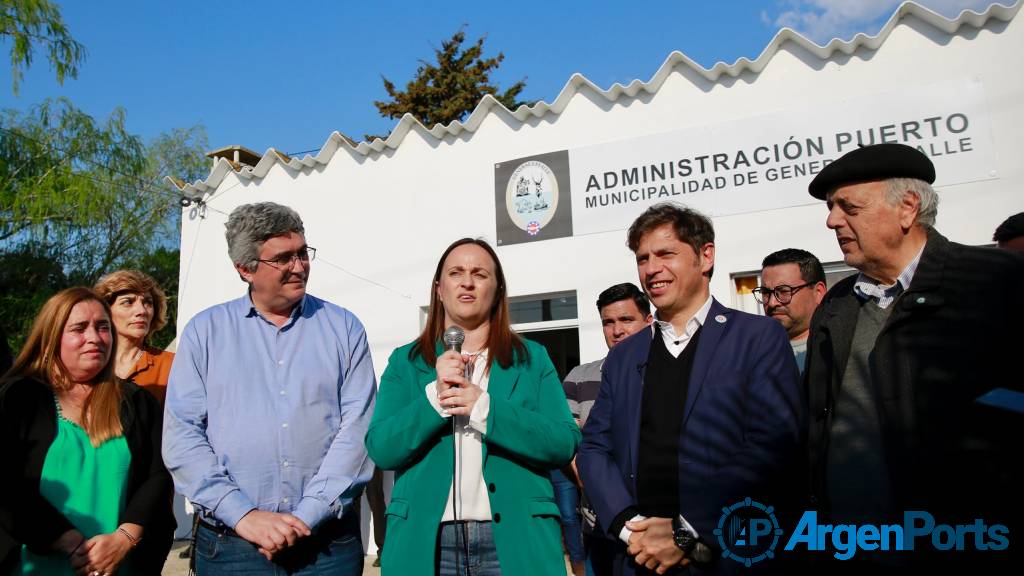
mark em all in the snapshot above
pixel 856 476
pixel 663 406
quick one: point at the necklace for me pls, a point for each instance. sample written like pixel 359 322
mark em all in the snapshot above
pixel 73 402
pixel 471 363
pixel 474 355
pixel 136 356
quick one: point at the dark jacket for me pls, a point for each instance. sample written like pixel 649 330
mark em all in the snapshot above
pixel 741 427
pixel 951 337
pixel 28 424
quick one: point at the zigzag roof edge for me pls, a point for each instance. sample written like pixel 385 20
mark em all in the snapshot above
pixel 489 104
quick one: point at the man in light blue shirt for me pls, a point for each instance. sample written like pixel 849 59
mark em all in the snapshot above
pixel 269 399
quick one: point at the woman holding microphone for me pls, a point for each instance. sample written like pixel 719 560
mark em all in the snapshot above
pixel 471 435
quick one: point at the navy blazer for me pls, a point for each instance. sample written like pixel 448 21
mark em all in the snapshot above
pixel 742 425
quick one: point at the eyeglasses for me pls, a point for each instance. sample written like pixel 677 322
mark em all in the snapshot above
pixel 783 293
pixel 283 261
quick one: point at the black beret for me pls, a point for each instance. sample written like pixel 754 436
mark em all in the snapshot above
pixel 876 162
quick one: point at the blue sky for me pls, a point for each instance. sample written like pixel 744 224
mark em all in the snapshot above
pixel 287 74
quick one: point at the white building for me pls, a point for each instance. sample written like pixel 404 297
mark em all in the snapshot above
pixel 739 142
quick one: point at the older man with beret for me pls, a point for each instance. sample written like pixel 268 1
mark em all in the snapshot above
pixel 912 370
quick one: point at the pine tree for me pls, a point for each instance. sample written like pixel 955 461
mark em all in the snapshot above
pixel 450 89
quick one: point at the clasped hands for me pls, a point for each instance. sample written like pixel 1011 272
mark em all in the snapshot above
pixel 456 394
pixel 96 556
pixel 272 532
pixel 652 545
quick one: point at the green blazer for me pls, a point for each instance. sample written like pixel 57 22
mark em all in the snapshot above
pixel 529 432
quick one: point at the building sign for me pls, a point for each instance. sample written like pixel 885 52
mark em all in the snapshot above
pixel 533 198
pixel 765 163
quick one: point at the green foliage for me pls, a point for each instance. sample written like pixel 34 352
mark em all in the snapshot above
pixel 68 181
pixel 31 24
pixel 451 89
pixel 180 153
pixel 93 190
pixel 87 197
pixel 80 198
pixel 29 275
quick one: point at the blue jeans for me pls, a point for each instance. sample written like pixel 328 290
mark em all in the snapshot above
pixel 477 551
pixel 567 496
pixel 335 549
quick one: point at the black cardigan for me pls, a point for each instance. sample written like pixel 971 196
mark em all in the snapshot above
pixel 28 424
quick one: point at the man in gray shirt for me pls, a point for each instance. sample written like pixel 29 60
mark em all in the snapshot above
pixel 624 310
pixel 792 286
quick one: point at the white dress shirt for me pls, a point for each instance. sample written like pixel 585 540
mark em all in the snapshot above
pixel 867 288
pixel 473 501
pixel 676 344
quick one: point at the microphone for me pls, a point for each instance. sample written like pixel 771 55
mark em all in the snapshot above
pixel 453 339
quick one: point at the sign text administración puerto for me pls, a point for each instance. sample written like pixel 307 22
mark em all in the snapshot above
pixel 750 165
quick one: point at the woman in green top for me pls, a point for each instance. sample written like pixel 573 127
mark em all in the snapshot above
pixel 86 491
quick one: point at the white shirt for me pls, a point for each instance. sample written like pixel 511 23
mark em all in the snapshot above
pixel 473 501
pixel 676 344
pixel 867 288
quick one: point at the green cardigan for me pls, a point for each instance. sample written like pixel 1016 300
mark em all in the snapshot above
pixel 529 432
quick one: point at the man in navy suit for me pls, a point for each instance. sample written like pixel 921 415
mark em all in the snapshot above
pixel 695 414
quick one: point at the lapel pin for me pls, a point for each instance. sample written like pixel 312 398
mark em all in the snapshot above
pixel 720 318
pixel 920 300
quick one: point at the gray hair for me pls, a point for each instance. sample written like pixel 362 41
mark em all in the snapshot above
pixel 250 225
pixel 929 200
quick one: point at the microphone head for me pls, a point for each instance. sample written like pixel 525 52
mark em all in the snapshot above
pixel 453 338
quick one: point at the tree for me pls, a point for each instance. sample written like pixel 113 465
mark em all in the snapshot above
pixel 451 89
pixel 29 275
pixel 93 190
pixel 78 197
pixel 83 198
pixel 55 165
pixel 31 23
pixel 180 153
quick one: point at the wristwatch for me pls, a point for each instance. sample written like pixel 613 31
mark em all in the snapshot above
pixel 684 538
